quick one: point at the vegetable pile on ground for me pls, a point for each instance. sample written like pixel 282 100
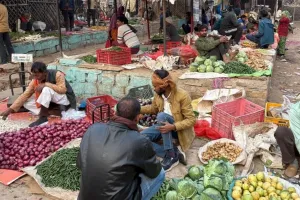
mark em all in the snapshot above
pixel 203 64
pixel 10 125
pixel 60 170
pixel 148 119
pixel 248 43
pixel 28 146
pixel 114 48
pixel 261 187
pixel 99 28
pixel 222 150
pixel 256 60
pixel 210 182
pixel 241 57
pixel 89 59
pixel 236 67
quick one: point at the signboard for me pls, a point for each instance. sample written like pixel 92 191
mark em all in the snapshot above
pixel 21 58
pixel 196 10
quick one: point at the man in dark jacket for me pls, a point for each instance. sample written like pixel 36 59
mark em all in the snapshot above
pixel 116 161
pixel 265 35
pixel 231 27
pixel 48 93
pixel 67 8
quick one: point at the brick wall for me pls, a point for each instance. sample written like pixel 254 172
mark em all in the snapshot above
pixel 90 82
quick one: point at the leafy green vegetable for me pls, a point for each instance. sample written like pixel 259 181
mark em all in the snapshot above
pixel 202 68
pixel 186 189
pixel 213 58
pixel 219 69
pixel 193 68
pixel 172 195
pixel 242 60
pixel 89 59
pixel 210 68
pixel 236 67
pixel 211 194
pixel 196 197
pixel 200 60
pixel 163 190
pixel 195 173
pixel 208 62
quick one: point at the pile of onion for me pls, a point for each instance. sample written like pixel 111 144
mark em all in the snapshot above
pixel 28 146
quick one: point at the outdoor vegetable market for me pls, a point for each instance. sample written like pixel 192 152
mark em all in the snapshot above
pixel 173 104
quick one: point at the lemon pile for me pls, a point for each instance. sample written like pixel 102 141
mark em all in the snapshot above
pixel 260 187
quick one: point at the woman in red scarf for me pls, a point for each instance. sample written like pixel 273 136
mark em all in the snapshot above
pixel 283 30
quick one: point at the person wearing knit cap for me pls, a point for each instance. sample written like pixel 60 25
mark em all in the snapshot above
pixel 175 117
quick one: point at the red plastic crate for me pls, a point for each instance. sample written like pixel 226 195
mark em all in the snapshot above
pixel 114 57
pixel 102 113
pixel 225 115
pixel 170 45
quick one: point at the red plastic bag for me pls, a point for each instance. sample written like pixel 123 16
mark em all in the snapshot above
pixel 155 55
pixel 183 51
pixel 108 43
pixel 202 129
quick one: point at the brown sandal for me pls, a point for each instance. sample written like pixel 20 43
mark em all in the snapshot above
pixel 291 171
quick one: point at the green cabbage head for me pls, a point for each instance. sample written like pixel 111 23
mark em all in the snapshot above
pixel 186 189
pixel 172 195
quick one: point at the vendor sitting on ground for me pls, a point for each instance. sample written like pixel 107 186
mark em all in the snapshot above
pixel 126 36
pixel 265 35
pixel 171 31
pixel 231 27
pixel 46 93
pixel 116 161
pixel 213 46
pixel 175 117
pixel 288 141
pixel 24 23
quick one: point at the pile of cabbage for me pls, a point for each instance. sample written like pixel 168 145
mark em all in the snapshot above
pixel 210 182
pixel 241 57
pixel 204 64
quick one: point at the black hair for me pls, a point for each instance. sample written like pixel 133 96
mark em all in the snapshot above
pixel 188 13
pixel 128 10
pixel 161 73
pixel 243 16
pixel 123 19
pixel 203 26
pixel 264 13
pixel 128 108
pixel 38 67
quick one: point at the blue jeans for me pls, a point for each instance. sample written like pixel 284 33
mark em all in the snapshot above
pixel 153 134
pixel 150 186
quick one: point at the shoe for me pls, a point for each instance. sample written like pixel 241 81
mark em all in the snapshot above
pixel 181 155
pixel 170 161
pixel 38 122
pixel 291 171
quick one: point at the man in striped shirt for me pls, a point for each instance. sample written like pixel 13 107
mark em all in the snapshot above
pixel 126 36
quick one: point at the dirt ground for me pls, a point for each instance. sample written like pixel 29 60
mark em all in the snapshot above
pixel 284 81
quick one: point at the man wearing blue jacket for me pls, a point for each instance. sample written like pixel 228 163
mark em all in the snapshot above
pixel 265 35
pixel 67 8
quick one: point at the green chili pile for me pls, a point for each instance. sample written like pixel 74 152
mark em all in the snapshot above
pixel 60 170
pixel 236 67
pixel 163 190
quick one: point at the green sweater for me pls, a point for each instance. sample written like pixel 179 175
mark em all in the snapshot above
pixel 206 44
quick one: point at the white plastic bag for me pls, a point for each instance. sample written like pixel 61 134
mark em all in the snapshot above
pixel 72 114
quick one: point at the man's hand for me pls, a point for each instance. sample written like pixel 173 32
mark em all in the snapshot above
pixel 40 87
pixel 223 39
pixel 166 128
pixel 6 113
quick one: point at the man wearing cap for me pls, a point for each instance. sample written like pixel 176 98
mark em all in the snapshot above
pixel 175 118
